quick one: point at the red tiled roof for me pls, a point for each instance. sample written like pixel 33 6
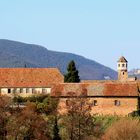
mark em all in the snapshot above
pixel 29 77
pixel 96 89
pixel 122 59
pixel 121 89
pixel 69 89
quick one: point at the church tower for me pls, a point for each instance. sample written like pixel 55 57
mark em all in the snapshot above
pixel 122 69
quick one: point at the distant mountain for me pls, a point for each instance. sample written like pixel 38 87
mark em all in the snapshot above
pixel 17 54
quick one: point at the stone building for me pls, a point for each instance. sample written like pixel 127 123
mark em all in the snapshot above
pixel 122 69
pixel 108 97
pixel 28 81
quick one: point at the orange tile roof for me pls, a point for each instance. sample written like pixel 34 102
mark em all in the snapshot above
pixel 97 89
pixel 122 59
pixel 29 77
pixel 121 89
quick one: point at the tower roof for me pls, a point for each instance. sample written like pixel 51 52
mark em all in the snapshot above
pixel 122 59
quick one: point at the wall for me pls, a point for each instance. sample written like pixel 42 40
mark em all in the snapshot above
pixel 105 106
pixel 25 91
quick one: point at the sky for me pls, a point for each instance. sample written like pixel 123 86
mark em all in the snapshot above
pixel 101 30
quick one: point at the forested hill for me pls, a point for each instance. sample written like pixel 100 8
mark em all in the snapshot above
pixel 17 54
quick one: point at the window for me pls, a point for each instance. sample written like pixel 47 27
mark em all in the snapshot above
pixel 118 65
pixel 43 90
pixel 14 90
pixel 117 103
pixel 9 90
pixel 27 90
pixel 95 103
pixel 33 90
pixel 21 90
pixel 67 102
pixel 123 65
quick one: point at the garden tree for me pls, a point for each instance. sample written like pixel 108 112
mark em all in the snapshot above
pixel 56 130
pixel 72 74
pixel 78 121
pixel 5 103
pixel 29 124
pixel 48 106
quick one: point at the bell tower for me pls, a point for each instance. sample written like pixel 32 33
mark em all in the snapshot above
pixel 122 65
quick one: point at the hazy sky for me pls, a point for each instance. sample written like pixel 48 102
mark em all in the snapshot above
pixel 101 30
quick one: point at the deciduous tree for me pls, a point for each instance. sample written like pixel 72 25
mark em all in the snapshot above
pixel 79 122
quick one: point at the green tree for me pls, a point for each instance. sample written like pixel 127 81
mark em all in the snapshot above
pixel 72 74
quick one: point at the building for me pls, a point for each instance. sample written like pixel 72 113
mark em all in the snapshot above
pixel 122 69
pixel 28 81
pixel 118 97
pixel 108 97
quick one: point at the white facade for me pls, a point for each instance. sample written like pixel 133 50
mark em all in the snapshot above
pixel 25 90
pixel 122 66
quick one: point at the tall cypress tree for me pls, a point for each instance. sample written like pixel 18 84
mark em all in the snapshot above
pixel 72 74
pixel 56 130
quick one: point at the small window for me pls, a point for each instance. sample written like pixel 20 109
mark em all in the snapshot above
pixel 44 90
pixel 14 90
pixel 9 90
pixel 67 102
pixel 21 90
pixel 27 90
pixel 33 90
pixel 118 65
pixel 95 103
pixel 123 65
pixel 117 103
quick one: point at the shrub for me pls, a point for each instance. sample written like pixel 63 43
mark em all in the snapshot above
pixel 124 129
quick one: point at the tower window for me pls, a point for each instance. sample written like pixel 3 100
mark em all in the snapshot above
pixel 123 65
pixel 117 103
pixel 123 73
pixel 118 65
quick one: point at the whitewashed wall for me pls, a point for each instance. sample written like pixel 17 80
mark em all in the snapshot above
pixel 26 90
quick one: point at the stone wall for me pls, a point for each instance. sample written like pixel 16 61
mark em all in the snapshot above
pixel 106 106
